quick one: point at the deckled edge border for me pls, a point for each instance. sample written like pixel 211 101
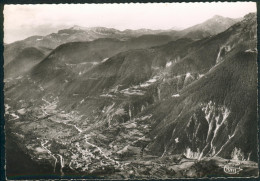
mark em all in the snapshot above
pixel 2 109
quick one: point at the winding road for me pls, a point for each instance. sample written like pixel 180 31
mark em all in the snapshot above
pixel 80 131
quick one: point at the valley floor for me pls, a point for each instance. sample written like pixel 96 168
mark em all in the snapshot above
pixel 72 147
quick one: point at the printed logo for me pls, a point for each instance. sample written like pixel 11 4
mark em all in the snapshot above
pixel 232 168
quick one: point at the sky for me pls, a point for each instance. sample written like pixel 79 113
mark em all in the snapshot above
pixel 22 21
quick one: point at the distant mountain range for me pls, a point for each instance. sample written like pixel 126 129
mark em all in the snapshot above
pixel 172 103
pixel 76 33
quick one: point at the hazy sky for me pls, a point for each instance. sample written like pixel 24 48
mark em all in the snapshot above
pixel 21 21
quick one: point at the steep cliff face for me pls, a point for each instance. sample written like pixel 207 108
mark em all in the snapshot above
pixel 210 116
pixel 197 58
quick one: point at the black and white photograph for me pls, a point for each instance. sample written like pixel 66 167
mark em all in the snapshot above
pixel 131 91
